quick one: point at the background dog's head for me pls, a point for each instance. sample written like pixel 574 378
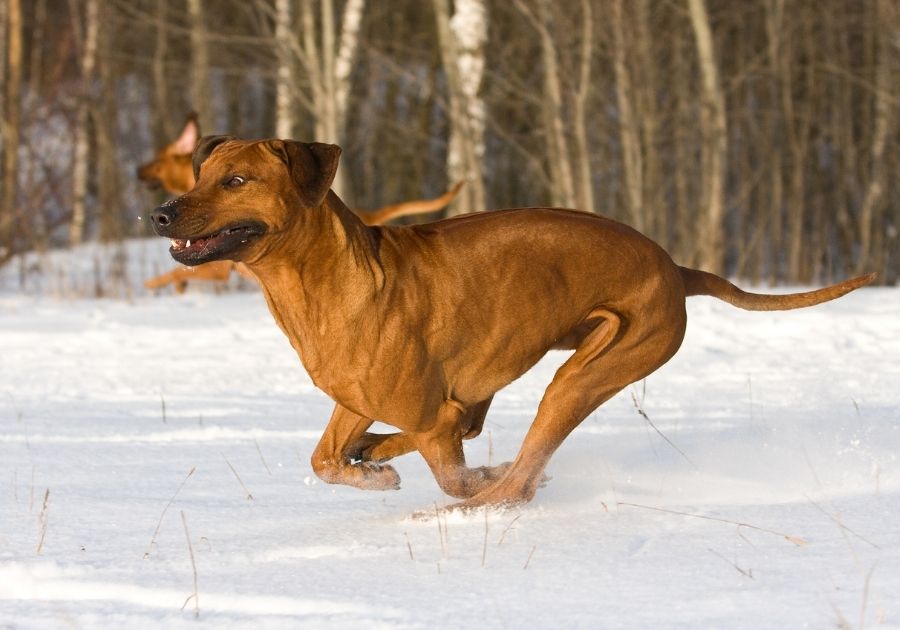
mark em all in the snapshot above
pixel 171 168
pixel 244 190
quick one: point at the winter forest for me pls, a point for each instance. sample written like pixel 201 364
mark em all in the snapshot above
pixel 161 456
pixel 757 139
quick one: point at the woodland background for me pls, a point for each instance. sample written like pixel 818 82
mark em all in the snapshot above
pixel 755 138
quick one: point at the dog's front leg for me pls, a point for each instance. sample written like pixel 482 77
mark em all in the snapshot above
pixel 331 461
pixel 380 447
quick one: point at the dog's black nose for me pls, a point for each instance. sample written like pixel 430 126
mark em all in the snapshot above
pixel 163 216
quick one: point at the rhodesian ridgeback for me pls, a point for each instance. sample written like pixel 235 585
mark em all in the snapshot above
pixel 418 326
pixel 172 170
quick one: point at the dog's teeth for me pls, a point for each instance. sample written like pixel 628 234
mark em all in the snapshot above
pixel 188 244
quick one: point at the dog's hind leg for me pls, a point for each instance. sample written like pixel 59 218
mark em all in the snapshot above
pixel 608 358
pixel 332 464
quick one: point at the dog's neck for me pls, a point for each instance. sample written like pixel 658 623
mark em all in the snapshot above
pixel 321 281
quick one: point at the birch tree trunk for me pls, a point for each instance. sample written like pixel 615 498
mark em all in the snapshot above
pixel 339 64
pixel 715 143
pixel 81 156
pixel 284 77
pixel 461 39
pixel 554 127
pixel 329 112
pixel 310 58
pixel 653 201
pixel 584 180
pixel 629 131
pixel 885 118
pixel 199 65
pixel 343 64
pixel 685 239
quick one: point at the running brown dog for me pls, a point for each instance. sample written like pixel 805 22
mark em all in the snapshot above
pixel 419 326
pixel 172 170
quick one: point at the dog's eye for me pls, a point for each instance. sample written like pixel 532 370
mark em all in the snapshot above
pixel 234 181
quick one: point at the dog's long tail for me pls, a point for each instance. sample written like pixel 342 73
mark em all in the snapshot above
pixel 698 282
pixel 406 208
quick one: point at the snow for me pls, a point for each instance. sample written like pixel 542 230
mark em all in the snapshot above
pixel 786 422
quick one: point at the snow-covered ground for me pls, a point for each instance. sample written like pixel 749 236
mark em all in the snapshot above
pixel 128 427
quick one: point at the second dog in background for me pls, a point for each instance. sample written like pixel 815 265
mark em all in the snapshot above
pixel 172 171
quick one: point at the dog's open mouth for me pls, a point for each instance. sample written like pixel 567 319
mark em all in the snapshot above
pixel 222 244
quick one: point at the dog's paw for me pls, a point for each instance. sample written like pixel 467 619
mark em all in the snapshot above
pixel 374 476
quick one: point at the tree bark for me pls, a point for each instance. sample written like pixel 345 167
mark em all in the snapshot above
pixel 885 118
pixel 775 38
pixel 163 123
pixel 200 96
pixel 104 114
pixel 461 39
pixel 11 124
pixel 685 238
pixel 558 156
pixel 341 68
pixel 80 171
pixel 351 23
pixel 284 75
pixel 584 180
pixel 646 96
pixel 715 142
pixel 629 132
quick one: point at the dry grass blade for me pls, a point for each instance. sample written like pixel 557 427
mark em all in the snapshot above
pixel 484 547
pixel 529 558
pixel 238 477
pixel 441 534
pixel 508 527
pixel 792 539
pixel 195 595
pixel 643 414
pixel 746 573
pixel 43 519
pixel 840 523
pixel 263 459
pixel 865 599
pixel 409 547
pixel 163 515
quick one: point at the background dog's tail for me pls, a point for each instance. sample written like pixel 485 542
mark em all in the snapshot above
pixel 406 208
pixel 698 282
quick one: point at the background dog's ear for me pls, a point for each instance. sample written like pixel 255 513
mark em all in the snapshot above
pixel 312 166
pixel 205 146
pixel 185 143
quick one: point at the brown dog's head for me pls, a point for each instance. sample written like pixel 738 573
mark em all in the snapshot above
pixel 245 191
pixel 171 168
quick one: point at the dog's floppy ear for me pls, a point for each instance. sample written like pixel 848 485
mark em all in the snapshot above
pixel 312 166
pixel 205 146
